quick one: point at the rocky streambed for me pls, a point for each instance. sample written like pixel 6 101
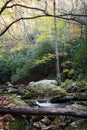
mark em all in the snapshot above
pixel 45 94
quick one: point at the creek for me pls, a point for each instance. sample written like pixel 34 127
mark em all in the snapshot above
pixel 41 98
pixel 77 124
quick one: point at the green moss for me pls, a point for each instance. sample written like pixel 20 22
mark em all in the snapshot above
pixel 81 83
pixel 58 92
pixel 31 95
pixel 18 124
pixel 19 102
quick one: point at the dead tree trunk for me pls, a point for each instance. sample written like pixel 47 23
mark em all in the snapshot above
pixel 43 111
pixel 68 98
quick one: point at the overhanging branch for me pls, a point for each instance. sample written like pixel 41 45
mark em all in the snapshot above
pixel 38 16
pixel 17 20
pixel 25 6
pixel 65 16
pixel 39 9
pixel 42 10
pixel 4 6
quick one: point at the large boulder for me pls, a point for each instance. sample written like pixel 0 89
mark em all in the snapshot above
pixel 44 84
pixel 43 88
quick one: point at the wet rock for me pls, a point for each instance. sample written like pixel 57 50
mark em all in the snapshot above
pixel 10 89
pixel 71 88
pixel 9 84
pixel 43 84
pixel 77 106
pixel 21 90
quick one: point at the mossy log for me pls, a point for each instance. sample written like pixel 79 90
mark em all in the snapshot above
pixel 43 111
pixel 69 97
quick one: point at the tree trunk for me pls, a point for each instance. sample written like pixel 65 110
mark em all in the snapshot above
pixel 43 111
pixel 56 46
pixel 67 98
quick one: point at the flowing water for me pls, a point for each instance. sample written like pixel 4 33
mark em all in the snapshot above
pixel 76 125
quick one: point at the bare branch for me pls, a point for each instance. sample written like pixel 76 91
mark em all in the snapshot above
pixel 38 16
pixel 65 16
pixel 4 6
pixel 25 6
pixel 75 15
pixel 8 30
pixel 34 8
pixel 17 20
pixel 68 17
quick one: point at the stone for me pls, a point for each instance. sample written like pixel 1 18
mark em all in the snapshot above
pixel 43 84
pixel 18 101
pixel 10 89
pixel 9 84
pixel 71 88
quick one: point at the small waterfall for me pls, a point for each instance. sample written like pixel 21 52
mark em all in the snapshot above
pixel 47 104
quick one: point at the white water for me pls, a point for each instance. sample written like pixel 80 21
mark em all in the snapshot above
pixel 48 104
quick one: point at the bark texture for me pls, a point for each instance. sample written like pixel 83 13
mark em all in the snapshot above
pixel 68 98
pixel 43 111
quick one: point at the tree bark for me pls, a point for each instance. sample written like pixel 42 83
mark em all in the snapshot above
pixel 56 46
pixel 43 111
pixel 67 98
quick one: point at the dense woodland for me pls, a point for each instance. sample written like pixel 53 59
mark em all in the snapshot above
pixel 43 64
pixel 28 50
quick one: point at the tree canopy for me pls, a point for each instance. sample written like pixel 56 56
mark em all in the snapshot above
pixel 31 31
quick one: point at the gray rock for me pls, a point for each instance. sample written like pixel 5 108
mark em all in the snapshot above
pixel 43 84
pixel 21 90
pixel 10 89
pixel 9 84
pixel 72 87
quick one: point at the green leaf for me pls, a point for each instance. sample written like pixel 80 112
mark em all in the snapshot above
pixel 65 70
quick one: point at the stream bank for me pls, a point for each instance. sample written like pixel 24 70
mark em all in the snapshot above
pixel 42 95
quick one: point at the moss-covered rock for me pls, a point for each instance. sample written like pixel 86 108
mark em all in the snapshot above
pixel 77 106
pixel 57 92
pixel 43 84
pixel 19 102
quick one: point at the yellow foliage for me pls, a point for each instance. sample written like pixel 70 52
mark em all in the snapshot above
pixel 65 70
pixel 71 72
pixel 0 56
pixel 67 62
pixel 16 48
pixel 76 30
pixel 45 59
pixel 67 44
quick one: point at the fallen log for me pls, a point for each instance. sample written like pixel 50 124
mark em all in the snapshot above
pixel 43 111
pixel 68 98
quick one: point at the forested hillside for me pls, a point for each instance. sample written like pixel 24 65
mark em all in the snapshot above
pixel 43 64
pixel 43 39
